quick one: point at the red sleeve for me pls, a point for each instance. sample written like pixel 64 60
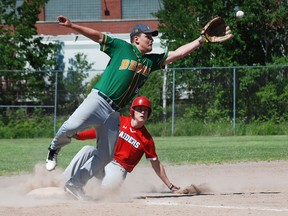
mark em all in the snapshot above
pixel 150 150
pixel 87 134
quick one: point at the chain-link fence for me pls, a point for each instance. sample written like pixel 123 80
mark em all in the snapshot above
pixel 218 94
pixel 40 96
pixel 227 95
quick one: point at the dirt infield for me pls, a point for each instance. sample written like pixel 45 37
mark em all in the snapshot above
pixel 230 189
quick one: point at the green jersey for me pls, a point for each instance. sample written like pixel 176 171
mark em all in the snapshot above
pixel 127 69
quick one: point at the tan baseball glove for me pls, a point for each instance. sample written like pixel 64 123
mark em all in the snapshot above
pixel 215 31
pixel 191 189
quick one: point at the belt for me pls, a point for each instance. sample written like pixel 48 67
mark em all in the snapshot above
pixel 115 161
pixel 118 164
pixel 113 105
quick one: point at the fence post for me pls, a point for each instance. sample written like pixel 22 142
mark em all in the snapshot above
pixel 234 101
pixel 164 94
pixel 173 103
pixel 55 102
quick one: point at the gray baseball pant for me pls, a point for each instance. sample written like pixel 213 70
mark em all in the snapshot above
pixel 112 176
pixel 93 111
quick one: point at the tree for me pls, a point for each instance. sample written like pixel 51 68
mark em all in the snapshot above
pixel 153 90
pixel 22 50
pixel 74 82
pixel 259 39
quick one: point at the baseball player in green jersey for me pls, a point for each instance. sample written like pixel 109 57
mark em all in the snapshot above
pixel 126 72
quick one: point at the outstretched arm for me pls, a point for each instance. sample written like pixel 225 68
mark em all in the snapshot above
pixel 183 51
pixel 160 171
pixel 88 32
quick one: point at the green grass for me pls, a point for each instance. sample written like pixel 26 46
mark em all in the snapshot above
pixel 21 155
pixel 206 150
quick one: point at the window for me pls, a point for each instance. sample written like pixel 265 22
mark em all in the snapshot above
pixel 88 10
pixel 11 7
pixel 140 9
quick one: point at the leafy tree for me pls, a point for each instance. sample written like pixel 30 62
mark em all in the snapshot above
pixel 22 50
pixel 153 90
pixel 91 84
pixel 260 38
pixel 74 82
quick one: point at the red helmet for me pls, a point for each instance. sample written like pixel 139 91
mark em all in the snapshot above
pixel 141 101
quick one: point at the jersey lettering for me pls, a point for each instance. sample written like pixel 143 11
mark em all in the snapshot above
pixel 129 139
pixel 124 64
pixel 133 66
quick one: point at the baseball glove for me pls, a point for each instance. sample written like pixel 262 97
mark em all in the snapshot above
pixel 215 31
pixel 191 189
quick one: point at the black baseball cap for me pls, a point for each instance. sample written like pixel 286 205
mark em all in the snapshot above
pixel 142 28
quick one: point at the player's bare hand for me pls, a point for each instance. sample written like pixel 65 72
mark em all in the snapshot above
pixel 62 20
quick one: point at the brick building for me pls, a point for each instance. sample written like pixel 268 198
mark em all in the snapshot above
pixel 115 17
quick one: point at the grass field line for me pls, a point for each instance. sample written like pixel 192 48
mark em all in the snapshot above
pixel 219 206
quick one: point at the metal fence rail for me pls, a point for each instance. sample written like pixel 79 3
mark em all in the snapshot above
pixel 173 73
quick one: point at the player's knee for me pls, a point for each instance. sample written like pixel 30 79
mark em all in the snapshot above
pixel 88 149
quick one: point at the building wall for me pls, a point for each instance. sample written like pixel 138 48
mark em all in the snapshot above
pixel 114 27
pixel 112 23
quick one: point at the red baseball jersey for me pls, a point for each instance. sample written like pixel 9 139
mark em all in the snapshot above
pixel 132 144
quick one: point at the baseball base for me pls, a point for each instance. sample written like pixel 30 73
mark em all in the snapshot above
pixel 47 192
